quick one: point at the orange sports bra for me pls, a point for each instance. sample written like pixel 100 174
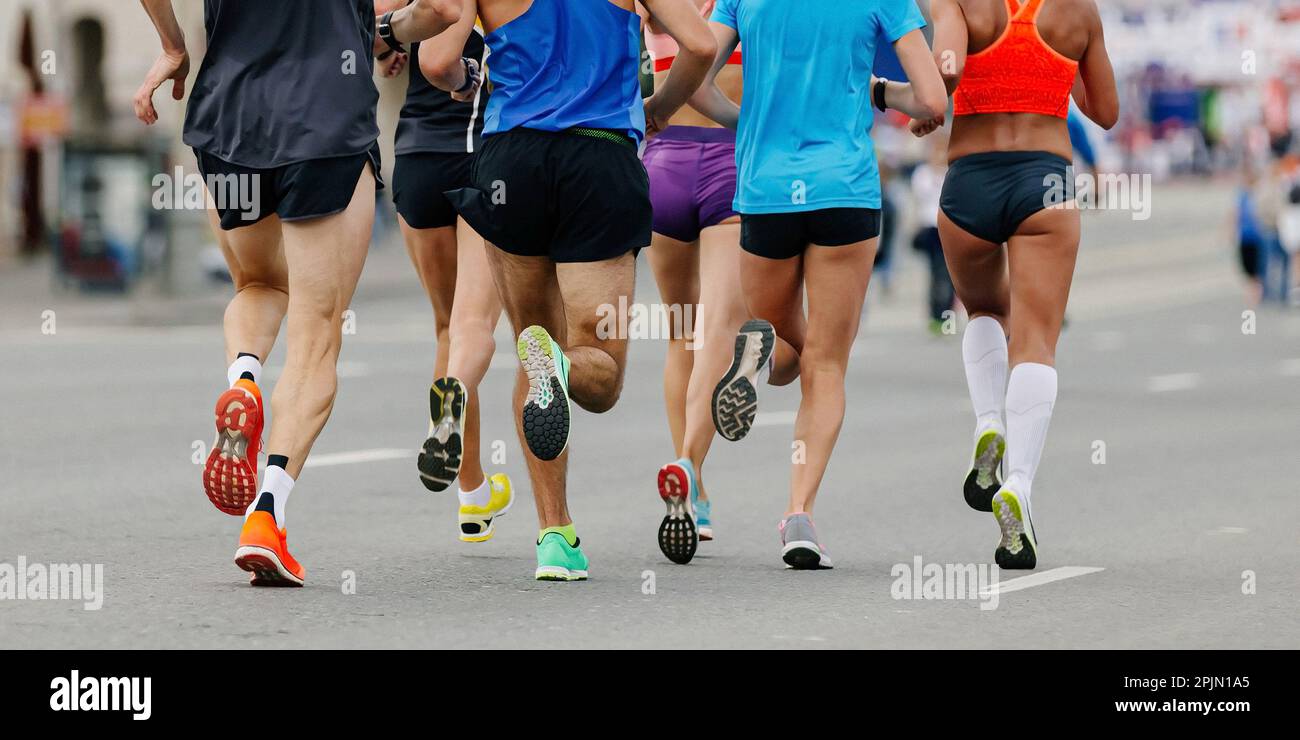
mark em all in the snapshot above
pixel 663 49
pixel 1018 73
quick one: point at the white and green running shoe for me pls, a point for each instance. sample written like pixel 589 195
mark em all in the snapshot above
pixel 546 409
pixel 986 461
pixel 557 560
pixel 1018 548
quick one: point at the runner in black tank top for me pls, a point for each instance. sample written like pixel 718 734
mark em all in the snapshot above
pixel 437 137
pixel 282 121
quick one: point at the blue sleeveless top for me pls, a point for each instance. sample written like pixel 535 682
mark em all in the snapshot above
pixel 566 64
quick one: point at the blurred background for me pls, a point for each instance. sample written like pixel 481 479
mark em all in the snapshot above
pixel 1179 355
pixel 1211 102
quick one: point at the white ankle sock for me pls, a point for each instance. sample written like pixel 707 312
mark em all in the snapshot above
pixel 1031 395
pixel 984 351
pixel 243 365
pixel 276 482
pixel 480 496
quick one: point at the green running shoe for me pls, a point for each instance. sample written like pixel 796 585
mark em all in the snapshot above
pixel 546 409
pixel 559 561
pixel 1018 547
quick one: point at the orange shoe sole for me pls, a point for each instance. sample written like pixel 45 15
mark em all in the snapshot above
pixel 230 475
pixel 265 566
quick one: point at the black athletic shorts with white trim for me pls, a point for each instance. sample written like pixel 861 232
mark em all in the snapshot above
pixel 314 188
pixel 781 236
pixel 419 181
pixel 575 196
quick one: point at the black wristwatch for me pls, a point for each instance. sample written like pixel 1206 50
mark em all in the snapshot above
pixel 878 93
pixel 469 76
pixel 385 31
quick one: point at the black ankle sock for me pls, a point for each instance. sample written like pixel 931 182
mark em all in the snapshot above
pixel 279 461
pixel 248 354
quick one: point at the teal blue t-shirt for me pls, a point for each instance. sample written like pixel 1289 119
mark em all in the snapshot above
pixel 804 140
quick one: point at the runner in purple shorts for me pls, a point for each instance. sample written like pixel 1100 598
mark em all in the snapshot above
pixel 695 255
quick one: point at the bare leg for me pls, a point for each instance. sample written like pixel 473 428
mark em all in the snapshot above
pixel 676 267
pixel 837 279
pixel 434 254
pixel 1042 256
pixel 979 271
pixel 722 312
pixel 474 318
pixel 773 291
pixel 255 256
pixel 325 257
pixel 530 294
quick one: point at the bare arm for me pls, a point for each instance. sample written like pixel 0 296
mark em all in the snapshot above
pixel 695 51
pixel 923 97
pixel 440 56
pixel 951 41
pixel 709 99
pixel 1095 91
pixel 424 19
pixel 172 64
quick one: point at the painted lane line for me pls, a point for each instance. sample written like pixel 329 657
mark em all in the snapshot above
pixel 775 418
pixel 357 456
pixel 1039 579
pixel 1173 382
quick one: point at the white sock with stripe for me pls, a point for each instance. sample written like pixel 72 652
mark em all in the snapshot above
pixel 244 364
pixel 277 482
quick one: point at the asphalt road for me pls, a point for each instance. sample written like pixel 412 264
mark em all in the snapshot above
pixel 1192 520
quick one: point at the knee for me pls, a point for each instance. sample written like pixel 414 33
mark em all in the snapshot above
pixel 603 399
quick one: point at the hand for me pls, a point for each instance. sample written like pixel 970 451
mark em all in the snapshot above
pixel 922 128
pixel 475 78
pixel 393 65
pixel 656 119
pixel 174 66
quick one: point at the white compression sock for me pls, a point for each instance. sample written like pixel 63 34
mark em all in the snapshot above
pixel 1031 395
pixel 276 482
pixel 245 364
pixel 480 496
pixel 984 351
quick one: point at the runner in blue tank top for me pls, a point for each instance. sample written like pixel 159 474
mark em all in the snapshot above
pixel 809 199
pixel 559 192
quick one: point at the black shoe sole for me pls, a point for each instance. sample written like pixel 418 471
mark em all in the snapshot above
pixel 439 460
pixel 735 399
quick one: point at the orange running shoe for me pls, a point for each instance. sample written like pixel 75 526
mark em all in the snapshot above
pixel 230 474
pixel 264 552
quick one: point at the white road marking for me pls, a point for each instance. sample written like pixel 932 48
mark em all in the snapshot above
pixel 1228 530
pixel 357 456
pixel 1173 382
pixel 775 418
pixel 1039 579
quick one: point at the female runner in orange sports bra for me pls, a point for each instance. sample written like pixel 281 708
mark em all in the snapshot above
pixel 1013 67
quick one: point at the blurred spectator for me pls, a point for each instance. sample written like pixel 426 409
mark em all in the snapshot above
pixel 927 187
pixel 1250 235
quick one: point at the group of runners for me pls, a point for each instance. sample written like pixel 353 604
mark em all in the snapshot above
pixel 530 172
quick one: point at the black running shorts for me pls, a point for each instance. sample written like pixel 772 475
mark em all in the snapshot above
pixel 574 196
pixel 781 236
pixel 294 192
pixel 419 181
pixel 990 194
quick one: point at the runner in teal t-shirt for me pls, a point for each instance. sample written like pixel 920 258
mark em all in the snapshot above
pixel 809 199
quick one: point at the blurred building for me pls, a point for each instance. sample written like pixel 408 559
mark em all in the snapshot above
pixel 68 69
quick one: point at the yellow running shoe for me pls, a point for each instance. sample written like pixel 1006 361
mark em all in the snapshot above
pixel 478 523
